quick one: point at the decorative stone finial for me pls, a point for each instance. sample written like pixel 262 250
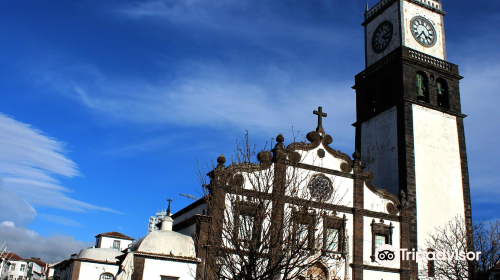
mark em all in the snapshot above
pixel 280 138
pixel 221 159
pixel 367 8
pixel 356 155
pixel 402 194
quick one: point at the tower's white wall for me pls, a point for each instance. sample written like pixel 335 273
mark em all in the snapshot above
pixel 411 10
pixel 392 15
pixel 438 170
pixel 379 149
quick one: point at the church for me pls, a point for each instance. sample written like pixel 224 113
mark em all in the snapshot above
pixel 407 176
pixel 305 210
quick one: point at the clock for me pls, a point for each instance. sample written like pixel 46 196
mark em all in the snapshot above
pixel 382 37
pixel 320 187
pixel 423 31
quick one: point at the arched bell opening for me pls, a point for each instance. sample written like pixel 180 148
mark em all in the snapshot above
pixel 443 96
pixel 422 86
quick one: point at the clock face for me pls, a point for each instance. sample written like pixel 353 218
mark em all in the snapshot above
pixel 382 37
pixel 320 187
pixel 423 31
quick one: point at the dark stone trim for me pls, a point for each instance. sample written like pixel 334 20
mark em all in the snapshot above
pixel 325 170
pixel 75 274
pixel 380 229
pixel 406 166
pixel 380 192
pixel 465 179
pixel 138 268
pixel 321 205
pixel 436 108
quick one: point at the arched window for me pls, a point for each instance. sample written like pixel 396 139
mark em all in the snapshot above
pixel 107 276
pixel 422 87
pixel 443 98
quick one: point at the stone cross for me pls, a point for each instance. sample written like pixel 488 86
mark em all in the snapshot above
pixel 320 119
pixel 168 209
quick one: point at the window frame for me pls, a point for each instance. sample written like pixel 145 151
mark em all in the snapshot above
pixel 106 274
pixel 338 223
pixel 246 208
pixel 380 229
pixel 308 219
pixel 22 267
pixel 119 244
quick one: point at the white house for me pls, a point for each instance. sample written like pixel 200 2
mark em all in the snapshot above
pixel 113 240
pixel 18 268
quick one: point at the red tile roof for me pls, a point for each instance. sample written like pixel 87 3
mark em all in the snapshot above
pixel 40 263
pixel 13 257
pixel 115 235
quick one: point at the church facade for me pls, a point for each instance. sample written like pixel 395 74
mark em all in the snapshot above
pixel 408 175
pixel 305 210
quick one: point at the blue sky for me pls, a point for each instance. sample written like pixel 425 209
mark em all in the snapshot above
pixel 106 106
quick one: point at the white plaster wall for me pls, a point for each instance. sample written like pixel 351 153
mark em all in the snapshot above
pixel 379 149
pixel 153 268
pixel 411 10
pixel 438 171
pixel 107 242
pixel 375 275
pixel 343 189
pixel 195 211
pixel 93 271
pixel 17 271
pixel 259 179
pixel 367 240
pixel 392 15
pixel 311 157
pixel 374 202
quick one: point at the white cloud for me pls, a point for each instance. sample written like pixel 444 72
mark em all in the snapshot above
pixel 14 207
pixel 211 95
pixel 30 163
pixel 27 243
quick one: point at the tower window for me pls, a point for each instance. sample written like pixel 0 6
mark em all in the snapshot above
pixel 443 98
pixel 421 85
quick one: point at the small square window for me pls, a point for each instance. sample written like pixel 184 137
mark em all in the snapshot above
pixel 379 240
pixel 11 277
pixel 23 267
pixel 13 267
pixel 116 244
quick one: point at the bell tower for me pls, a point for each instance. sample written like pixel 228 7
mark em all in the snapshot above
pixel 409 123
